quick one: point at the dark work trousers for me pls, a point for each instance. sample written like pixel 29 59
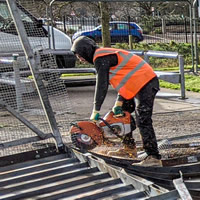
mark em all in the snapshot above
pixel 144 108
pixel 142 105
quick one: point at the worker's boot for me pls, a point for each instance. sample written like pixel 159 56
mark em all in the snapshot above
pixel 128 150
pixel 149 161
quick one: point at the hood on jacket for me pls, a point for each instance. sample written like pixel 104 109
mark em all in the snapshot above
pixel 85 47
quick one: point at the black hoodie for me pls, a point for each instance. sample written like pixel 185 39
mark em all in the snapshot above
pixel 85 47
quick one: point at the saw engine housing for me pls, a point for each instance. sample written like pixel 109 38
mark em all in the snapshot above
pixel 86 135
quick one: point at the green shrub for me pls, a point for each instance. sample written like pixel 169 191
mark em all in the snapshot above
pixel 182 48
pixel 158 31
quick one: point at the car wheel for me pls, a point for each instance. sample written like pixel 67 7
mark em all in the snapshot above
pixel 65 61
pixel 135 39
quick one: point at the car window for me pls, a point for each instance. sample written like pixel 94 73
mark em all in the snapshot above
pixel 113 26
pixel 122 26
pixel 6 17
pixel 7 25
pixel 132 26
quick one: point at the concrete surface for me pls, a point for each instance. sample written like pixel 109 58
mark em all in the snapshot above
pixel 169 100
pixel 166 101
pixel 172 117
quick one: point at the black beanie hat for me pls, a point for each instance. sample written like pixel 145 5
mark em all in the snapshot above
pixel 85 47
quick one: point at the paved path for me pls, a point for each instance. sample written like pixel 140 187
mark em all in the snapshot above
pixel 169 100
pixel 166 100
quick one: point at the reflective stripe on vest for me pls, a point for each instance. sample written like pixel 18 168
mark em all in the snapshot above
pixel 122 64
pixel 102 51
pixel 126 78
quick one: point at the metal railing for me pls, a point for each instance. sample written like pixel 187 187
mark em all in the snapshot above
pixel 172 77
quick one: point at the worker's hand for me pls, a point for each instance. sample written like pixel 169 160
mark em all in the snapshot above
pixel 117 108
pixel 95 116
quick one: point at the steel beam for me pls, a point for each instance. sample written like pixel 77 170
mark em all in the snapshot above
pixel 34 70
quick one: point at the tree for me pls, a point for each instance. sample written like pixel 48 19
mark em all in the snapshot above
pixel 105 18
pixel 123 10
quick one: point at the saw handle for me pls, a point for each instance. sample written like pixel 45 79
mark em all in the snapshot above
pixel 110 127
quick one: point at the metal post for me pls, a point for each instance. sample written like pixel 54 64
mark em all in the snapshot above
pixel 181 188
pixel 163 26
pixel 17 83
pixel 191 35
pixel 146 57
pixel 64 24
pixel 130 39
pixel 181 68
pixel 185 27
pixel 52 20
pixel 195 36
pixel 35 72
pixel 48 26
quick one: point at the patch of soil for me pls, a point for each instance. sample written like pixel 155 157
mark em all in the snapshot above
pixel 176 121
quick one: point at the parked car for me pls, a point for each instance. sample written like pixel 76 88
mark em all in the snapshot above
pixel 119 32
pixel 40 37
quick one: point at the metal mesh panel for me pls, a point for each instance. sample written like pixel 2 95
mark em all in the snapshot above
pixel 18 94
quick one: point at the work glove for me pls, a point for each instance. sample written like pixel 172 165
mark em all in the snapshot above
pixel 117 108
pixel 95 116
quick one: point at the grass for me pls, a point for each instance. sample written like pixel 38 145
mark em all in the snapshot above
pixel 77 74
pixel 192 83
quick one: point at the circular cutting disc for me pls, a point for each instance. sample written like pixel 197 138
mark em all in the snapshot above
pixel 83 141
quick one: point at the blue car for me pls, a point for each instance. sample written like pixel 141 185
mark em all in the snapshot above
pixel 119 32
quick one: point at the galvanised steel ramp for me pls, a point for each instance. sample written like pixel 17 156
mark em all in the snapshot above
pixel 78 176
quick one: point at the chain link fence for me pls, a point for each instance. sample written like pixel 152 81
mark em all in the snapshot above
pixel 24 122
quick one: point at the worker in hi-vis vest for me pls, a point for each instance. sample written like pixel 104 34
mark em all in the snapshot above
pixel 136 84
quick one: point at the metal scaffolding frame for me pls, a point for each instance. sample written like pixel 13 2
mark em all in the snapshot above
pixel 31 60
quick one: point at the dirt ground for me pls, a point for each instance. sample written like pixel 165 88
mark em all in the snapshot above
pixel 172 117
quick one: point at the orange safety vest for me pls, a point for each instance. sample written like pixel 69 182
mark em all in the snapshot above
pixel 130 74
